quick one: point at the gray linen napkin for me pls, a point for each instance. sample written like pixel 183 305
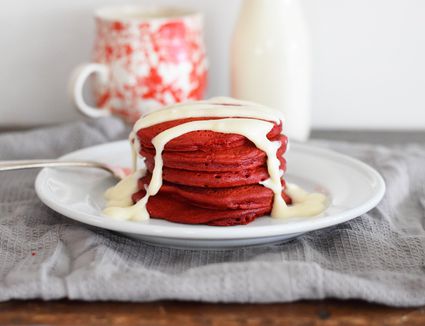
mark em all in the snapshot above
pixel 378 257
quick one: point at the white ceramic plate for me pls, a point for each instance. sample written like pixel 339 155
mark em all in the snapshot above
pixel 352 187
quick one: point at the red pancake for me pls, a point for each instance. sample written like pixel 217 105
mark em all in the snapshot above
pixel 215 179
pixel 246 156
pixel 196 140
pixel 245 197
pixel 174 210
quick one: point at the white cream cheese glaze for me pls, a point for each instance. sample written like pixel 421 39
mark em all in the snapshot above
pixel 303 202
pixel 135 149
pixel 119 197
pixel 237 117
pixel 218 107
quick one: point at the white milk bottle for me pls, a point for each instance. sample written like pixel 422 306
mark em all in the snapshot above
pixel 270 61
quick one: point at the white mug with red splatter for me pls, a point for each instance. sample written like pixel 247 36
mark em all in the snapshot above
pixel 143 59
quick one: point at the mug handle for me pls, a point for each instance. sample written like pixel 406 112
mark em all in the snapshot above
pixel 78 79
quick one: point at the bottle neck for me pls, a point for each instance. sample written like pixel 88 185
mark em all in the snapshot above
pixel 269 5
pixel 268 8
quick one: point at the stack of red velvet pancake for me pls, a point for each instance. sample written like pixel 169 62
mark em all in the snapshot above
pixel 209 177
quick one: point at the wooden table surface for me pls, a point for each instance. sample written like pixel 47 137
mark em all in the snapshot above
pixel 304 313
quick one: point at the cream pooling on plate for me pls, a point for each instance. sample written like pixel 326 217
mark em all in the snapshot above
pixel 238 117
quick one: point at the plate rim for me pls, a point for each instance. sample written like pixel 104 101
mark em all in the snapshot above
pixel 219 233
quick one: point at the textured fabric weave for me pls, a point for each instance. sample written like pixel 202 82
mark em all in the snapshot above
pixel 379 256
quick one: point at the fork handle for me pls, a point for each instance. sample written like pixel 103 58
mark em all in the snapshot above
pixel 30 164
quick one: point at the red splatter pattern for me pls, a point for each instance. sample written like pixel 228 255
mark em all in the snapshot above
pixel 152 64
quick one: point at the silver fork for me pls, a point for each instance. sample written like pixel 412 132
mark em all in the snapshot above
pixel 117 172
